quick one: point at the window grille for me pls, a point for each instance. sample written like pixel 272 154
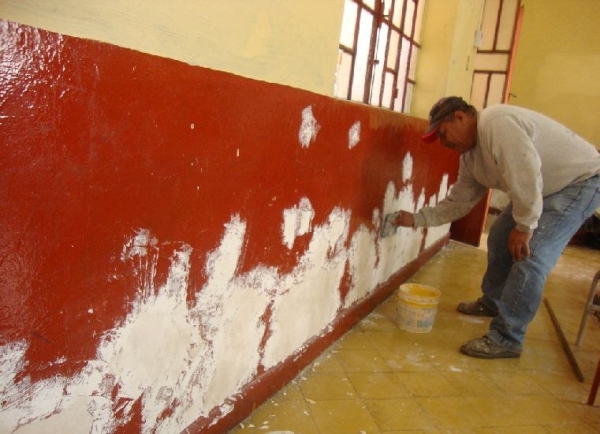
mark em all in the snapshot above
pixel 379 45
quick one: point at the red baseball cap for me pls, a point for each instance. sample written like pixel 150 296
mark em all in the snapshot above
pixel 440 110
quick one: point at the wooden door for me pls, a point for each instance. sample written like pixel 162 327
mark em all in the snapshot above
pixel 494 63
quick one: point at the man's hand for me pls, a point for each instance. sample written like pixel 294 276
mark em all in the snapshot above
pixel 404 219
pixel 518 244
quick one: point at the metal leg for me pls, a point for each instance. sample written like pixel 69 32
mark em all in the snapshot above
pixel 589 307
pixel 594 389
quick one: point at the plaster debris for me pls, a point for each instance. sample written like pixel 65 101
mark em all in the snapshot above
pixel 470 319
pixel 309 128
pixel 354 135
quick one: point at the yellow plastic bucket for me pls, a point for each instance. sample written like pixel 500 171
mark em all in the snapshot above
pixel 417 306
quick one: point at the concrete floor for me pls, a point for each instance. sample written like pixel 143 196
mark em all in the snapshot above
pixel 380 379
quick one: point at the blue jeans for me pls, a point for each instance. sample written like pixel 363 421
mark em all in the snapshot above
pixel 514 288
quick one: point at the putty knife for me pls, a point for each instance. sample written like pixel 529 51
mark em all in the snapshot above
pixel 388 228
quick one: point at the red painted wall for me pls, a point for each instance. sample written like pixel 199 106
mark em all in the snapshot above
pixel 97 141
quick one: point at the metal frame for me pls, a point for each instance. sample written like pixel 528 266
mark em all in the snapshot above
pixel 382 17
pixel 590 307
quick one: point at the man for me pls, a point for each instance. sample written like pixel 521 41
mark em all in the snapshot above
pixel 552 179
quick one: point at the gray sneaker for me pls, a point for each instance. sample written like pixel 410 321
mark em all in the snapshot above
pixel 485 348
pixel 476 308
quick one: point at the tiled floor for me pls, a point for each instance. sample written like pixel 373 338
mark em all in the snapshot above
pixel 379 379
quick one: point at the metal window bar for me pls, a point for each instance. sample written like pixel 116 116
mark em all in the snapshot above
pixel 413 45
pixel 384 85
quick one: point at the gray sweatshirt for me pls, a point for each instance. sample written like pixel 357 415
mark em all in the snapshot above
pixel 523 153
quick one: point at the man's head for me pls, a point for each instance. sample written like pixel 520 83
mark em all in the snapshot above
pixel 454 122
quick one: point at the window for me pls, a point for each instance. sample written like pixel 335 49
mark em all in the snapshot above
pixel 378 52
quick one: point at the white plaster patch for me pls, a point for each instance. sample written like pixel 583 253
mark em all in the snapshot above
pixel 159 353
pixel 421 200
pixel 152 368
pixel 297 221
pixel 396 251
pixel 229 309
pixel 187 358
pixel 444 188
pixel 376 219
pixel 435 233
pixel 140 245
pixel 310 287
pixel 362 261
pixel 354 135
pixel 55 404
pixel 309 128
pixel 11 361
pixel 222 263
pixel 143 247
pixel 407 167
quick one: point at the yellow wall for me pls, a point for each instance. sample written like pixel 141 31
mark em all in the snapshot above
pixel 281 41
pixel 290 42
pixel 557 67
pixel 295 43
pixel 446 61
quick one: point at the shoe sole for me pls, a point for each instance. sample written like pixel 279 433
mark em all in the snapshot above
pixel 505 355
pixel 475 313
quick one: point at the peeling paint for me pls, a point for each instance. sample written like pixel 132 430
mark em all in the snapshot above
pixel 309 128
